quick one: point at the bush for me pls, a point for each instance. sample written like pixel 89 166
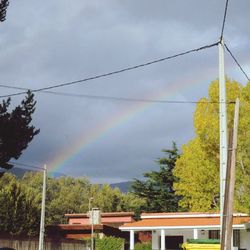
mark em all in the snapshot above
pixel 143 246
pixel 110 243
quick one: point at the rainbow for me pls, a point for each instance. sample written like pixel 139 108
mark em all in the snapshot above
pixel 102 129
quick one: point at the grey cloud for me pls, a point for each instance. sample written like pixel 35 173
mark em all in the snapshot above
pixel 51 42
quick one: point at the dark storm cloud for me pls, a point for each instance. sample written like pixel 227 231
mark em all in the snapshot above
pixel 49 42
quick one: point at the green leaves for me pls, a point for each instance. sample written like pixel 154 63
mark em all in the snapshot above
pixel 157 190
pixel 21 201
pixel 110 243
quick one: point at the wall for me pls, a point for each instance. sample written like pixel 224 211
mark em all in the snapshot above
pixel 244 239
pixel 26 244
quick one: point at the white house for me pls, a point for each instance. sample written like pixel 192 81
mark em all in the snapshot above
pixel 169 230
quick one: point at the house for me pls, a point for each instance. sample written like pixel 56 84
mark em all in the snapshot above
pixel 170 230
pixel 79 226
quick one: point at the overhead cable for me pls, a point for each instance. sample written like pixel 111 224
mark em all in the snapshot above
pixel 25 165
pixel 113 72
pixel 115 98
pixel 236 61
pixel 224 20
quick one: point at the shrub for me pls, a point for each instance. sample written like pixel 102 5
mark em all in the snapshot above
pixel 110 243
pixel 143 246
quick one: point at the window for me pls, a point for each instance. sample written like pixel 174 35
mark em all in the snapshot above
pixel 236 238
pixel 214 234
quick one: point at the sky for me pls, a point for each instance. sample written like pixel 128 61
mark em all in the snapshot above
pixel 44 43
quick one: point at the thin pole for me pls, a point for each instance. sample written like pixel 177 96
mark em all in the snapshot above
pixel 91 221
pixel 226 197
pixel 92 230
pixel 223 127
pixel 233 149
pixel 41 235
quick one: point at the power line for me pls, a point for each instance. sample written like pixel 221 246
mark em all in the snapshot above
pixel 25 165
pixel 224 20
pixel 113 72
pixel 115 98
pixel 236 61
pixel 126 99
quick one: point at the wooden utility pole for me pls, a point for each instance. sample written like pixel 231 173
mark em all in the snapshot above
pixel 227 223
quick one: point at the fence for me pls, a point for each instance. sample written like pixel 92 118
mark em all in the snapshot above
pixel 32 244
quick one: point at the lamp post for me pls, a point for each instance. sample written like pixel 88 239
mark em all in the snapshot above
pixel 41 235
pixel 92 230
pixel 91 221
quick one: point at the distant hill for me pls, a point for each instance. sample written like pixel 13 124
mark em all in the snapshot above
pixel 19 172
pixel 56 175
pixel 123 186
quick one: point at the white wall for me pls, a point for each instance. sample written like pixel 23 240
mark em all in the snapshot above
pixel 186 233
pixel 244 239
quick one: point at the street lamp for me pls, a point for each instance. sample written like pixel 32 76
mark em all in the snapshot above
pixel 91 218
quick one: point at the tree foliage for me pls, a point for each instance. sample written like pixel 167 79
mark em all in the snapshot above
pixel 15 129
pixel 110 243
pixel 21 201
pixel 19 211
pixel 198 166
pixel 157 190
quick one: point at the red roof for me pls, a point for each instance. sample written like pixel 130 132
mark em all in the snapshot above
pixel 182 220
pixel 111 214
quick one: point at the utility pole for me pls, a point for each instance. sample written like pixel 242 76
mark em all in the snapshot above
pixel 227 229
pixel 223 127
pixel 41 235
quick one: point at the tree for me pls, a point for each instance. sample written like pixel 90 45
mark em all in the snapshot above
pixel 12 212
pixel 21 201
pixel 15 129
pixel 3 8
pixel 157 190
pixel 198 166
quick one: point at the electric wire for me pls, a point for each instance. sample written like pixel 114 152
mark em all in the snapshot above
pixel 224 21
pixel 115 98
pixel 25 165
pixel 113 72
pixel 236 61
pixel 126 99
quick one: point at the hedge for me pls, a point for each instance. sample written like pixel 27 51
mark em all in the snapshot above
pixel 143 246
pixel 110 243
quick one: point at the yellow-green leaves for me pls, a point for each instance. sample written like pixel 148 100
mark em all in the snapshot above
pixel 198 166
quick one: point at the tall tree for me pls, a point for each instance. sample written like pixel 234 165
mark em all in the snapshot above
pixel 15 129
pixel 198 166
pixel 3 8
pixel 157 190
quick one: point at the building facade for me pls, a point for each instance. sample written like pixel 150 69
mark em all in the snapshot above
pixel 171 230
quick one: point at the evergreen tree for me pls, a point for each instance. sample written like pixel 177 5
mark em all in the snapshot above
pixel 157 190
pixel 3 8
pixel 15 129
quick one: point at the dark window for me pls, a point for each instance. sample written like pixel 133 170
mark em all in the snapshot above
pixel 236 238
pixel 173 242
pixel 214 234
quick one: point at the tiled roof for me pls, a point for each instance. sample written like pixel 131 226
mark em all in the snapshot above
pixel 183 221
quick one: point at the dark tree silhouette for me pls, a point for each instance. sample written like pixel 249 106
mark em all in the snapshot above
pixel 157 188
pixel 15 129
pixel 3 8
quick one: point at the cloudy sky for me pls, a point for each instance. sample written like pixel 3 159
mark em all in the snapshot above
pixel 44 43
